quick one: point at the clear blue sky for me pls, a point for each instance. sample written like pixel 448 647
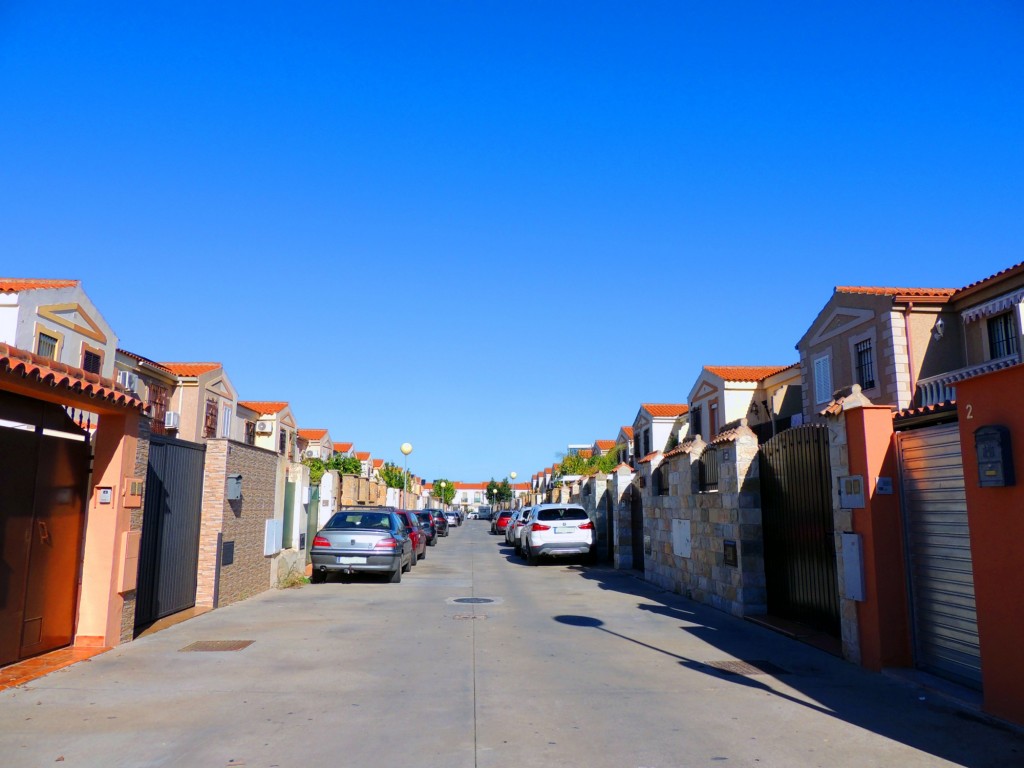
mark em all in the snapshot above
pixel 495 228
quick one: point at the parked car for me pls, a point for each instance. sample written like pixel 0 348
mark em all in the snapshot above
pixel 453 518
pixel 512 526
pixel 364 540
pixel 558 530
pixel 500 522
pixel 472 516
pixel 440 522
pixel 427 523
pixel 514 532
pixel 416 533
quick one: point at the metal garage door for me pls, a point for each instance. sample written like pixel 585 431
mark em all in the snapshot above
pixel 939 553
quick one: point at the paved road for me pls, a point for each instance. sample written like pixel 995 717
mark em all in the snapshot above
pixel 569 666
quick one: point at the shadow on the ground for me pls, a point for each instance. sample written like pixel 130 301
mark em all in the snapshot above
pixel 820 682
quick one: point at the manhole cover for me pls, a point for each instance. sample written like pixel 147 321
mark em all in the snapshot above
pixel 465 616
pixel 217 645
pixel 473 600
pixel 747 668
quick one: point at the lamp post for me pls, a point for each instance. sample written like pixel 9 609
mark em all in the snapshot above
pixel 440 491
pixel 512 485
pixel 406 450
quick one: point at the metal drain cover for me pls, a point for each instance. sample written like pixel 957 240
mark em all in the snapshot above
pixel 465 616
pixel 473 600
pixel 217 645
pixel 747 668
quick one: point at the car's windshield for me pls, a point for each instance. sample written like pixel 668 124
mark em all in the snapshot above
pixel 360 520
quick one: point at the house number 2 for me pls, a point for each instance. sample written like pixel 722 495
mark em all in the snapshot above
pixel 970 411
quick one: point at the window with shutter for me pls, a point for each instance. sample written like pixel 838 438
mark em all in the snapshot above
pixel 822 380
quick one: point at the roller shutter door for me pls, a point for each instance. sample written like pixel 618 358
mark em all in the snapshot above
pixel 939 553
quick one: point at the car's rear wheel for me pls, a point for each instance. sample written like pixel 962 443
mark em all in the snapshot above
pixel 396 575
pixel 531 557
pixel 424 555
pixel 405 568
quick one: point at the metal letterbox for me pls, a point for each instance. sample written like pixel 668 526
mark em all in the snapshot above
pixel 995 456
pixel 234 487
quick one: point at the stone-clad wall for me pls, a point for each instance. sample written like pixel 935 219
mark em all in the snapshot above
pixel 141 468
pixel 242 522
pixel 732 513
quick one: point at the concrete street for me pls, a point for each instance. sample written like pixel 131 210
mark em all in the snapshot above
pixel 569 666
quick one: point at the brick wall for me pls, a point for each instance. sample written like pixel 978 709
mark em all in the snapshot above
pixel 141 467
pixel 242 523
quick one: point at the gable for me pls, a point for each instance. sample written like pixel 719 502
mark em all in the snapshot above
pixel 838 321
pixel 74 318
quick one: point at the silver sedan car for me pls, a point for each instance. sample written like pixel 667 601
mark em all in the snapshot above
pixel 362 540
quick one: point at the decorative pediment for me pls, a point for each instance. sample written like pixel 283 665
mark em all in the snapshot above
pixel 75 318
pixel 839 321
pixel 221 387
pixel 706 388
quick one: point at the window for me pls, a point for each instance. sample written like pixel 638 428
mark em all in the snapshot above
pixel 865 364
pixel 659 481
pixel 695 425
pixel 210 420
pixel 157 405
pixel 91 362
pixel 1002 336
pixel 822 380
pixel 647 442
pixel 713 421
pixel 282 441
pixel 46 346
pixel 226 423
pixel 250 433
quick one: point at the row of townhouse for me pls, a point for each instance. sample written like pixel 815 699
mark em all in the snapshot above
pixel 135 489
pixel 865 494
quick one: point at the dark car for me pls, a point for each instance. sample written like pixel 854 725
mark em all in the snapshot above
pixel 365 540
pixel 427 521
pixel 440 522
pixel 416 533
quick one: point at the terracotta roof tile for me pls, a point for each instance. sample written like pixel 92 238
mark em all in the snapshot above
pixel 585 453
pixel 142 359
pixel 313 434
pixel 342 447
pixel 747 372
pixel 264 407
pixel 378 463
pixel 665 409
pixel 18 284
pixel 732 431
pixel 872 290
pixel 649 457
pixel 190 369
pixel 363 455
pixel 605 445
pixel 627 431
pixel 58 374
pixel 684 447
pixel 1004 273
pixel 623 465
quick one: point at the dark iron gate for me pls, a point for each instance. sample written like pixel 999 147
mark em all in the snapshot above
pixel 799 542
pixel 44 470
pixel 636 520
pixel 169 550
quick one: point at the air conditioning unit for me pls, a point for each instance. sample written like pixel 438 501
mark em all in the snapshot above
pixel 172 420
pixel 128 380
pixel 310 453
pixel 264 427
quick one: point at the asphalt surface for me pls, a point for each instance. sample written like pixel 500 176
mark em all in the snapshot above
pixel 568 666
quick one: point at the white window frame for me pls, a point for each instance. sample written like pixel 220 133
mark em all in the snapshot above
pixel 819 364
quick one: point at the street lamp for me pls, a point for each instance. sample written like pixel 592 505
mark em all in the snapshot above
pixel 512 504
pixel 406 449
pixel 440 491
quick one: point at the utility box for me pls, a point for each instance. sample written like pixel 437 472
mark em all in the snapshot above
pixel 853 566
pixel 234 487
pixel 995 456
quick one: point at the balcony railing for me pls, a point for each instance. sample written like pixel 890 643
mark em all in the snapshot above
pixel 942 388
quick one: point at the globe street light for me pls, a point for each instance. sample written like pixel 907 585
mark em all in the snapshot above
pixel 406 450
pixel 440 487
pixel 512 504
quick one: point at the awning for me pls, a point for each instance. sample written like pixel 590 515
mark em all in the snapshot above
pixel 993 307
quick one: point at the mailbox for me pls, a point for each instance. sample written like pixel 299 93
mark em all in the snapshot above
pixel 995 457
pixel 234 487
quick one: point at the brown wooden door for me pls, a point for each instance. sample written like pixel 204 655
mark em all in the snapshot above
pixel 18 481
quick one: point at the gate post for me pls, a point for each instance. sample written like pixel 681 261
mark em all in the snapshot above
pixel 883 618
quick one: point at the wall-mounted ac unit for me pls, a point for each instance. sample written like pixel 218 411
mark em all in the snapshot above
pixel 172 420
pixel 264 427
pixel 310 453
pixel 128 380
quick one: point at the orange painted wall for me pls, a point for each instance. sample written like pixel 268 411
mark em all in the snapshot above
pixel 883 618
pixel 996 519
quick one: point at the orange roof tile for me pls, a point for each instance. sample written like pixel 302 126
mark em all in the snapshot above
pixel 628 431
pixel 264 407
pixel 362 455
pixel 747 372
pixel 623 465
pixel 605 445
pixel 190 369
pixel 313 434
pixel 585 453
pixel 142 359
pixel 342 447
pixel 378 463
pixel 979 284
pixel 874 290
pixel 665 409
pixel 648 457
pixel 17 284
pixel 57 374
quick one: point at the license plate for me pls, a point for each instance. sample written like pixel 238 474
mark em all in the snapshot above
pixel 564 529
pixel 351 560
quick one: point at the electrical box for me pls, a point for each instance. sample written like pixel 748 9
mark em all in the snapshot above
pixel 853 566
pixel 234 487
pixel 995 456
pixel 851 492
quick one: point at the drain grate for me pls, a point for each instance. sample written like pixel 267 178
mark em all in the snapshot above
pixel 746 668
pixel 473 600
pixel 217 645
pixel 470 616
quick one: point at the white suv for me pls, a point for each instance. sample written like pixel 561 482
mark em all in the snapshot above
pixel 557 529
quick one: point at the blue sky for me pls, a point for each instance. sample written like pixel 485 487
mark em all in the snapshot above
pixel 492 229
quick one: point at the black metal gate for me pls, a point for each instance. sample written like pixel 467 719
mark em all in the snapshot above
pixel 169 550
pixel 799 542
pixel 636 520
pixel 44 469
